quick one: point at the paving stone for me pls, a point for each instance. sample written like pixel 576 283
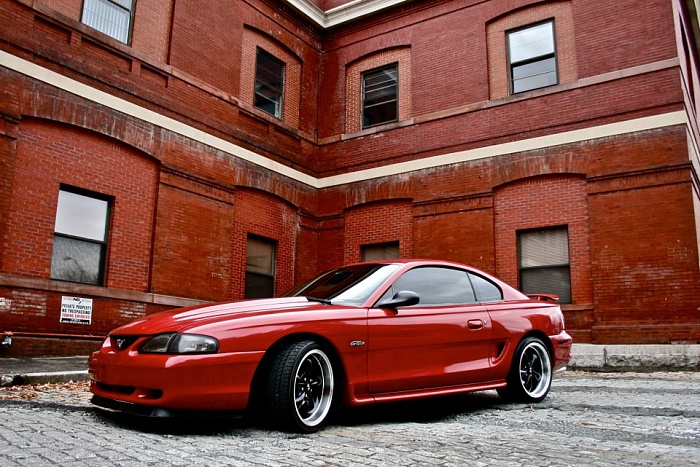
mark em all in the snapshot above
pixel 596 419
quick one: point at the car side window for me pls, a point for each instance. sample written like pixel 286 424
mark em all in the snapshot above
pixel 486 290
pixel 436 286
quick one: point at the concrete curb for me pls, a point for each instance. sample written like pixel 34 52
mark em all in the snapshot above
pixel 672 357
pixel 585 357
pixel 44 378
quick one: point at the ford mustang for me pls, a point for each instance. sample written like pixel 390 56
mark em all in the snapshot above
pixel 360 334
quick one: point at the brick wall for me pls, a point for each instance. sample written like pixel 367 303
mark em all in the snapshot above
pixel 261 214
pixel 383 222
pixel 51 155
pixel 183 209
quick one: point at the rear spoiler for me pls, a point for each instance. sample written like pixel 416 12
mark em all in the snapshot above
pixel 543 297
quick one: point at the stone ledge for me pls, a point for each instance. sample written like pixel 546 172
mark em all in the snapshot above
pixel 642 357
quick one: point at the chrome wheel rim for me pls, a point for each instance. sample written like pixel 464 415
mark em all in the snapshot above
pixel 313 388
pixel 535 370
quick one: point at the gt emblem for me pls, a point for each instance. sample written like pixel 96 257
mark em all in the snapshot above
pixel 357 343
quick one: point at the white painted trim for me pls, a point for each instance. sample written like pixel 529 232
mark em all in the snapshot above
pixel 567 137
pixel 343 13
pixel 72 86
pixel 120 105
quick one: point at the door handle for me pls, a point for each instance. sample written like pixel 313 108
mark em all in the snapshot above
pixel 475 324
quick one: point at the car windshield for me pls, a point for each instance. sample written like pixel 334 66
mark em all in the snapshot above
pixel 351 285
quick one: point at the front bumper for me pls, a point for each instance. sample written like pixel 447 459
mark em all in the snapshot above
pixel 148 383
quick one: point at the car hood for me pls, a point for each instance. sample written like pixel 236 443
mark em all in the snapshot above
pixel 182 319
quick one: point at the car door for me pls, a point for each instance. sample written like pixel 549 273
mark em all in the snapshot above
pixel 442 341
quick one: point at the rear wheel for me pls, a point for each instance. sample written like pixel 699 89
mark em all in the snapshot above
pixel 530 376
pixel 300 387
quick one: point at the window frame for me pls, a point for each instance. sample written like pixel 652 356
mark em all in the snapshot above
pixel 534 59
pixel 364 78
pixel 102 244
pixel 552 266
pixel 279 105
pixel 269 276
pixel 116 4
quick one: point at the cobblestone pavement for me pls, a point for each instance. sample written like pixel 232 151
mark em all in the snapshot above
pixel 588 419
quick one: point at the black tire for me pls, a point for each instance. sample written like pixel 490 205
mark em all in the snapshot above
pixel 300 388
pixel 530 376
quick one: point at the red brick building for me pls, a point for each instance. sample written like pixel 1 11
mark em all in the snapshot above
pixel 159 153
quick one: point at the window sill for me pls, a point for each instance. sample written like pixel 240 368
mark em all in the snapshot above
pixel 377 129
pixel 10 280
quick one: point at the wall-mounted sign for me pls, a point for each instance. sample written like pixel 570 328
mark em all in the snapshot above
pixel 76 310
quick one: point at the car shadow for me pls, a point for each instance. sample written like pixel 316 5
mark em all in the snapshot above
pixel 429 410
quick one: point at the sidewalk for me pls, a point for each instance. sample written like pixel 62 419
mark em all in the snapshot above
pixel 16 371
pixel 675 357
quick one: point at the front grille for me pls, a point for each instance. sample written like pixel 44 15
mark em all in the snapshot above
pixel 124 390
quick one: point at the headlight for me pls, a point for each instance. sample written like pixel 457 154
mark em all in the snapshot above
pixel 175 343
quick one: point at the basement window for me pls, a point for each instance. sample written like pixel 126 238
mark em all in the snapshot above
pixel 379 251
pixel 260 268
pixel 544 262
pixel 80 237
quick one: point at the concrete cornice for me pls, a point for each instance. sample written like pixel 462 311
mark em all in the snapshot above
pixel 343 13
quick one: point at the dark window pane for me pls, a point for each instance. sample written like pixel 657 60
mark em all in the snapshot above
pixel 379 96
pixel 435 286
pixel 258 285
pixel 350 285
pixel 76 260
pixel 486 290
pixel 269 83
pixel 548 280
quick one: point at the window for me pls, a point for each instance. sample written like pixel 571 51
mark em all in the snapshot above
pixel 544 262
pixel 380 96
pixel 486 290
pixel 80 237
pixel 112 17
pixel 269 83
pixel 379 251
pixel 260 268
pixel 435 286
pixel 532 57
pixel 351 285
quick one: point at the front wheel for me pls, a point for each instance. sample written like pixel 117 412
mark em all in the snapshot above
pixel 300 387
pixel 530 376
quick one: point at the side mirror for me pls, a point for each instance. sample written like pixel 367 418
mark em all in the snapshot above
pixel 402 298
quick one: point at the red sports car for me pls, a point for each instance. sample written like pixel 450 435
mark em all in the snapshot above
pixel 360 334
